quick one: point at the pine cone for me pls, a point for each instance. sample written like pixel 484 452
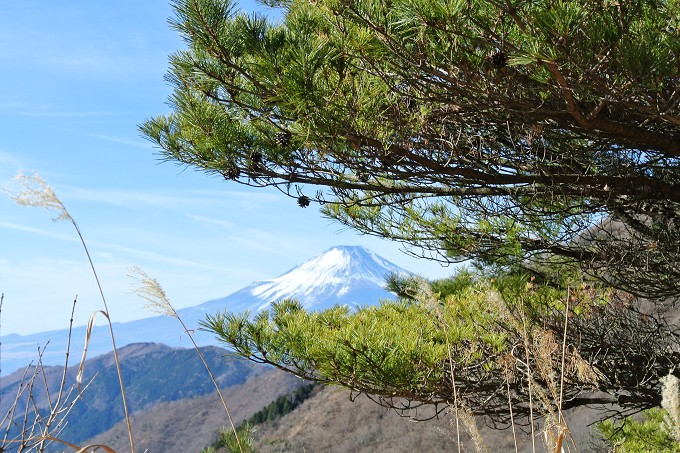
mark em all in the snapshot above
pixel 303 201
pixel 499 59
pixel 256 158
pixel 283 138
pixel 362 176
pixel 255 163
pixel 233 173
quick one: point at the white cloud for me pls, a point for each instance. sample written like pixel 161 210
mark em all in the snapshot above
pixel 38 231
pixel 124 141
pixel 170 199
pixel 49 111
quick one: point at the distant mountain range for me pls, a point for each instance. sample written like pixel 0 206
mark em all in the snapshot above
pixel 154 376
pixel 341 275
pixel 175 409
pixel 333 419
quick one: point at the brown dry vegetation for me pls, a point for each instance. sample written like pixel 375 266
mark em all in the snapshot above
pixel 188 425
pixel 330 422
pixel 327 422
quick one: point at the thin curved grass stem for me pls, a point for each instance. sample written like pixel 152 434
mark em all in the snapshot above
pixel 214 381
pixel 113 339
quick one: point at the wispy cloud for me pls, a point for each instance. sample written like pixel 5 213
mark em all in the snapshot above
pixel 38 231
pixel 10 159
pixel 131 198
pixel 131 253
pixel 212 221
pixel 124 141
pixel 48 111
pixel 135 254
pixel 170 199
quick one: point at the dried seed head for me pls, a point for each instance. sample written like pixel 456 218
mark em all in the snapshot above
pixel 507 364
pixel 545 352
pixel 36 192
pixel 585 372
pixel 150 290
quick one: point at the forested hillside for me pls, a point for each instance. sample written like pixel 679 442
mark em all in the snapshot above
pixel 153 373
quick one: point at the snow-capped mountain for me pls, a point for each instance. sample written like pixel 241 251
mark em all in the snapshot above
pixel 341 275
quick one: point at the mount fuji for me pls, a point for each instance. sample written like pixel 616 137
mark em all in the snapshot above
pixel 346 275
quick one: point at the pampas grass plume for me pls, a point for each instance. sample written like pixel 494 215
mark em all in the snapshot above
pixel 151 291
pixel 38 193
pixel 670 401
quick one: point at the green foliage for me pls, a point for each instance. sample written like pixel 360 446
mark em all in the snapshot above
pixel 403 342
pixel 245 443
pixel 633 435
pixel 502 132
pixel 537 139
pixel 282 405
pixel 469 331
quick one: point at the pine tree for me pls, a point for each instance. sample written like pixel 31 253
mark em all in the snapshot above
pixel 513 133
pixel 480 332
pixel 536 138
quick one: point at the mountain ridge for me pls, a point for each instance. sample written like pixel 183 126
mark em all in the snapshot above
pixel 351 275
pixel 154 375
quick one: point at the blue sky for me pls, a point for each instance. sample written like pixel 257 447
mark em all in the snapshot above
pixel 77 79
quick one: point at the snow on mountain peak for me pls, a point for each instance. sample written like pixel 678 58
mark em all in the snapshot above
pixel 344 274
pixel 347 262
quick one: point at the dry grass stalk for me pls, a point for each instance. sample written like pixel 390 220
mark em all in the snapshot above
pixel 529 380
pixel 36 192
pixel 33 429
pixel 424 295
pixel 562 423
pixel 670 401
pixel 545 350
pixel 547 364
pixel 461 412
pixel 421 291
pixel 455 396
pixel 507 366
pixel 469 421
pixel 563 368
pixel 150 290
pixel 88 335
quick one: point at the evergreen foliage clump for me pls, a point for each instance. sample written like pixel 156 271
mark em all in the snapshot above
pixel 512 133
pixel 635 435
pixel 245 442
pixel 539 140
pixel 282 405
pixel 500 340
